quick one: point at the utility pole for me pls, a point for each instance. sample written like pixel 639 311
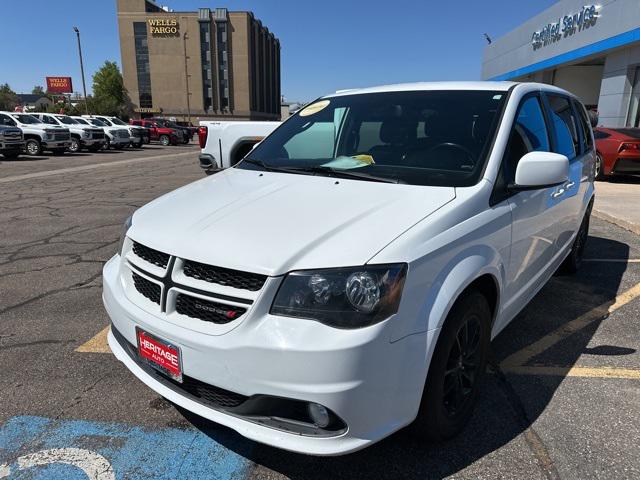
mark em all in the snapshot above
pixel 84 86
pixel 186 74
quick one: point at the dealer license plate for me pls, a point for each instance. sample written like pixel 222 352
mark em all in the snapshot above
pixel 160 354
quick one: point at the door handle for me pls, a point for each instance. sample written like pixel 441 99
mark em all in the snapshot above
pixel 557 193
pixel 569 185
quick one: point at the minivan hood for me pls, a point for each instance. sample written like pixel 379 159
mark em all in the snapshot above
pixel 272 223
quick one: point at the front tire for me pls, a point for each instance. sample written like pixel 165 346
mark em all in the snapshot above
pixel 11 154
pixel 165 140
pixel 456 370
pixel 33 147
pixel 75 145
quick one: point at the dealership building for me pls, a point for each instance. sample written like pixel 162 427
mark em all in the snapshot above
pixel 592 50
pixel 209 64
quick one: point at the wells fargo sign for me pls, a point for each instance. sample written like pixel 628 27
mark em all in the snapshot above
pixel 59 85
pixel 163 26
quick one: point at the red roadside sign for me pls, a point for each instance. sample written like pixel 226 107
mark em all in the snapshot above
pixel 59 85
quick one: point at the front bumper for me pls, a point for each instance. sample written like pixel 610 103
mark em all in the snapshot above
pixel 90 142
pixel 11 145
pixel 373 385
pixel 55 144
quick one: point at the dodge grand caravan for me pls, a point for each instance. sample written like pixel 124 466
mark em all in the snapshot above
pixel 345 279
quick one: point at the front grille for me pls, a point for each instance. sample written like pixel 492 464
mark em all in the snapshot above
pixel 150 255
pixel 12 133
pixel 207 311
pixel 61 137
pixel 224 276
pixel 146 288
pixel 135 132
pixel 122 133
pixel 204 393
pixel 97 135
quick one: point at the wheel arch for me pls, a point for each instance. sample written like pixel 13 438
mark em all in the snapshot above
pixel 241 148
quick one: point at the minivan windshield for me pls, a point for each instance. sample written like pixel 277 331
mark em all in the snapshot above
pixel 439 138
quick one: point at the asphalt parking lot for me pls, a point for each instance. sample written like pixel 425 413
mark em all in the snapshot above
pixel 562 399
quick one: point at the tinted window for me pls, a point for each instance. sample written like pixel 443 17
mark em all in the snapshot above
pixel 529 134
pixel 585 127
pixel 5 120
pixel 565 126
pixel 416 137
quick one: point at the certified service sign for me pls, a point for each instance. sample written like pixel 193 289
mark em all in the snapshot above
pixel 565 26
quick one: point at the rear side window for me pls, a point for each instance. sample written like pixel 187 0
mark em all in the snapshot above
pixel 5 120
pixel 565 125
pixel 585 127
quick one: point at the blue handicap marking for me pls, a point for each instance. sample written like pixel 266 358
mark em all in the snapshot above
pixel 39 448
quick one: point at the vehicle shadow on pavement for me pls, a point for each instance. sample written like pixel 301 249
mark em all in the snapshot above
pixel 508 404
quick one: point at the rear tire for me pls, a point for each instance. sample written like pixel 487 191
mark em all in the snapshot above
pixel 164 140
pixel 573 262
pixel 456 370
pixel 600 175
pixel 33 147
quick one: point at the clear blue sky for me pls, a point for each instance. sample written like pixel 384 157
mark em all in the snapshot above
pixel 326 44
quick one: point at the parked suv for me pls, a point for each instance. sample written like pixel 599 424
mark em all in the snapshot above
pixel 186 132
pixel 139 135
pixel 82 136
pixel 345 279
pixel 115 137
pixel 37 135
pixel 11 141
pixel 165 135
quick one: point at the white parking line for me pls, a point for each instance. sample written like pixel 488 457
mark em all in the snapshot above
pixel 82 168
pixel 613 260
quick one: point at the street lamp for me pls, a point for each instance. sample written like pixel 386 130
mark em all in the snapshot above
pixel 84 86
pixel 186 75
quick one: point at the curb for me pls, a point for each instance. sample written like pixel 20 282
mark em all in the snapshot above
pixel 632 227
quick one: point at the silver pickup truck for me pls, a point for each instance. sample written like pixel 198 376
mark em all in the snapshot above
pixel 11 141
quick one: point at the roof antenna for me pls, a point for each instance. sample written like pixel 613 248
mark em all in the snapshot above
pixel 487 38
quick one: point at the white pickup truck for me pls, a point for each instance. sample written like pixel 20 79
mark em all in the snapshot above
pixel 82 136
pixel 37 135
pixel 224 144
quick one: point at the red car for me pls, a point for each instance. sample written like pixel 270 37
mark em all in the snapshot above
pixel 166 136
pixel 618 151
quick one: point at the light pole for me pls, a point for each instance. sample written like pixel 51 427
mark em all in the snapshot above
pixel 84 86
pixel 186 74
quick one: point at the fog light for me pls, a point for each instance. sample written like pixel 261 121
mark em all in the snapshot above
pixel 319 415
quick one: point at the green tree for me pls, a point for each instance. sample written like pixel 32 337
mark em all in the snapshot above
pixel 109 95
pixel 8 98
pixel 39 90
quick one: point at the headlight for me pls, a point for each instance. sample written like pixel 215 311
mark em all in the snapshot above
pixel 49 136
pixel 351 297
pixel 123 233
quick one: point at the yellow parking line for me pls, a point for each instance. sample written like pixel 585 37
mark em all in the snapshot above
pixel 527 353
pixel 613 260
pixel 98 344
pixel 588 372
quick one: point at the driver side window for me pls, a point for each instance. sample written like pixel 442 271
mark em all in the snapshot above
pixel 529 134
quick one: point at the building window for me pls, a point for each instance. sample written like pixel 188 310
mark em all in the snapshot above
pixel 205 58
pixel 223 64
pixel 142 64
pixel 633 119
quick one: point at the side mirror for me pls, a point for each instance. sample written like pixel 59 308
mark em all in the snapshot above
pixel 537 170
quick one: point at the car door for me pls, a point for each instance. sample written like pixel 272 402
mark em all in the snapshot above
pixel 567 142
pixel 534 212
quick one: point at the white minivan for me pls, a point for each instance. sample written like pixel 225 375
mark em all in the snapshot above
pixel 345 279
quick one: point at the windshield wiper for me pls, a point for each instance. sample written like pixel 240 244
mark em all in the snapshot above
pixel 347 174
pixel 268 168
